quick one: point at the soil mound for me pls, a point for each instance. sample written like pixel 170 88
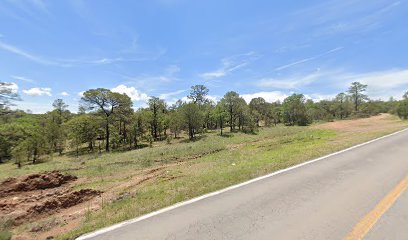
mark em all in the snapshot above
pixel 37 195
pixel 34 182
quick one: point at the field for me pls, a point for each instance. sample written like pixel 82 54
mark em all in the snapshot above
pixel 129 184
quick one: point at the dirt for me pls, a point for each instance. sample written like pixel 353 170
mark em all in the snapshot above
pixel 33 197
pixel 376 123
pixel 34 182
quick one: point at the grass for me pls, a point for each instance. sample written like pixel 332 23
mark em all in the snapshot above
pixel 195 168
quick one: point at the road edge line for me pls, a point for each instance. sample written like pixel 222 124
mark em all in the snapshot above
pixel 199 198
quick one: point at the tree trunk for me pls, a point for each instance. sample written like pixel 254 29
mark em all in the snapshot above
pixel 107 136
pixel 221 126
pixel 231 125
pixel 35 156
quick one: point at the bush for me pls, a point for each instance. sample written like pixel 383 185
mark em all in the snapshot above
pixel 403 109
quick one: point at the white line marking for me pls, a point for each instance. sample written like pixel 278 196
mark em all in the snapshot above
pixel 177 205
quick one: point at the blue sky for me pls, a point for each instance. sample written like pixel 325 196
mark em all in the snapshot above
pixel 57 49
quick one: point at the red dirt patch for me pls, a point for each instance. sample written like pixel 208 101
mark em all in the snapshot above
pixel 39 195
pixel 34 182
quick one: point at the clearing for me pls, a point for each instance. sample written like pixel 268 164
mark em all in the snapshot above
pixel 67 196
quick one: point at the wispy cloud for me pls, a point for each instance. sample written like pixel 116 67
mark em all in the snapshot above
pixel 294 81
pixel 146 81
pixel 169 95
pixel 27 55
pixel 29 7
pixel 24 79
pixel 78 62
pixel 338 16
pixel 231 64
pixel 65 94
pixel 36 92
pixel 307 59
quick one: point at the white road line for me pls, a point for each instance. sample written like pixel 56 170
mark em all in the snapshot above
pixel 177 205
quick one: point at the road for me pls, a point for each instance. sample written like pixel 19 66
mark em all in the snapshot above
pixel 354 194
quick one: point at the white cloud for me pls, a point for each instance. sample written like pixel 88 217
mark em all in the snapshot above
pixel 24 79
pixel 382 84
pixel 132 92
pixel 318 97
pixel 268 96
pixel 64 94
pixel 213 98
pixel 231 64
pixel 80 94
pixel 36 108
pixel 38 92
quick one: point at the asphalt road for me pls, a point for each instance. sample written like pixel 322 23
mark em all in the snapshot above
pixel 322 200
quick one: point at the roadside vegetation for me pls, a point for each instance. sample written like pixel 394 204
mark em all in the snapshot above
pixel 153 157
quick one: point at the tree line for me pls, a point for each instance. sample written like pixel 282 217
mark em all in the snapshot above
pixel 107 121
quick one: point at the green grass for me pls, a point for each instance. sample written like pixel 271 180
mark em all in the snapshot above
pixel 212 163
pixel 5 235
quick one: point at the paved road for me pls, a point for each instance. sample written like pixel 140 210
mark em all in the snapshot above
pixel 322 200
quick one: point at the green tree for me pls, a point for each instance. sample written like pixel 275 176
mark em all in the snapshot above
pixel 32 147
pixel 193 118
pixel 259 109
pixel 342 105
pixel 176 122
pixel 243 114
pixel 198 94
pixel 402 109
pixel 61 109
pixel 7 94
pixel 230 103
pixel 138 126
pixel 157 107
pixel 220 116
pixel 53 130
pixel 275 112
pixel 83 129
pixel 107 102
pixel 294 110
pixel 357 93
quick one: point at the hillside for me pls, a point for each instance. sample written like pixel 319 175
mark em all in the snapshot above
pixel 122 185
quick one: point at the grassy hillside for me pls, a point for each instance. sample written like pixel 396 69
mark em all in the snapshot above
pixel 141 181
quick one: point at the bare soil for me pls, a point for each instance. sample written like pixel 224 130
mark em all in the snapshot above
pixel 376 123
pixel 36 196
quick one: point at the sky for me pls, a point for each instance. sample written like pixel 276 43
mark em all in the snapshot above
pixel 258 48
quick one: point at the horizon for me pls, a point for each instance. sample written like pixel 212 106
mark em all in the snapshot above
pixel 161 48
